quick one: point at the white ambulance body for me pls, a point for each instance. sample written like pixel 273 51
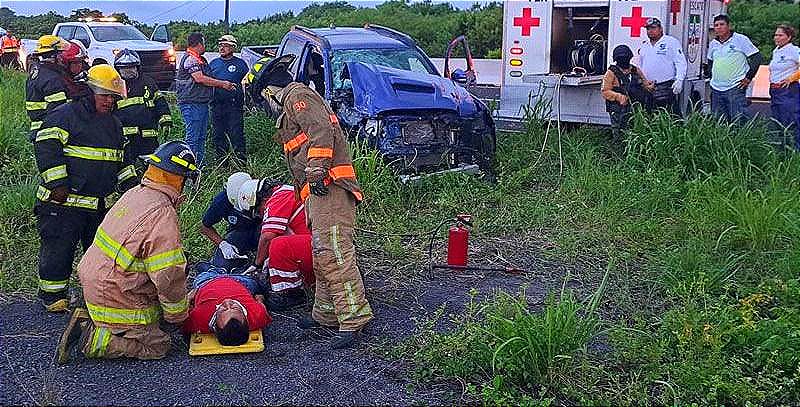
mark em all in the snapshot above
pixel 543 41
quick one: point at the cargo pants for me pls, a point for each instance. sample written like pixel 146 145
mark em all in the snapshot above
pixel 144 342
pixel 339 298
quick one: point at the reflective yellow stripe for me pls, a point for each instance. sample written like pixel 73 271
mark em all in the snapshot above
pixel 110 315
pixel 335 244
pixel 182 162
pixel 149 133
pixel 51 286
pixel 93 153
pixel 74 200
pixel 99 342
pixel 164 119
pixel 128 262
pixel 175 307
pixel 250 77
pixel 154 158
pixel 35 105
pixel 56 97
pixel 257 66
pixel 130 131
pixel 52 133
pixel 150 103
pixel 57 172
pixel 36 125
pixel 129 102
pixel 126 173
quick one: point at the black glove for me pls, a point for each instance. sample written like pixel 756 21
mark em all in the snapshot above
pixel 318 188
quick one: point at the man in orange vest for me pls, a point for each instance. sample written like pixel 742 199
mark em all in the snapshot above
pixel 10 51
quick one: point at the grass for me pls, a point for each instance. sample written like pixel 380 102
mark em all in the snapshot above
pixel 698 218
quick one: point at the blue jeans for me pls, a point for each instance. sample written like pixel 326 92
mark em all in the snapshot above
pixel 730 104
pixel 785 104
pixel 195 121
pixel 228 128
pixel 207 273
pixel 245 240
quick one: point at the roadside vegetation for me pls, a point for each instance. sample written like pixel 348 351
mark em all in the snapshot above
pixel 432 25
pixel 690 237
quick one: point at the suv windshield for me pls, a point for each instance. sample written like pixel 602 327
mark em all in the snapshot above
pixel 408 59
pixel 117 33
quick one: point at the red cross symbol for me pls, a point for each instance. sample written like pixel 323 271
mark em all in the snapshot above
pixel 526 22
pixel 635 22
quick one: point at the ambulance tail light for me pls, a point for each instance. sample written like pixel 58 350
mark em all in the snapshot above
pixel 516 51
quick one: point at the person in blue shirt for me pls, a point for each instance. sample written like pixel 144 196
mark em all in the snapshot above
pixel 227 105
pixel 244 226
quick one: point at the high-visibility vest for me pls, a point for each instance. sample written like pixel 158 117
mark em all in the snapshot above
pixel 10 44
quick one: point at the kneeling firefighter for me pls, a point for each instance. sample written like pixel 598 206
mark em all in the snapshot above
pixel 135 270
pixel 325 181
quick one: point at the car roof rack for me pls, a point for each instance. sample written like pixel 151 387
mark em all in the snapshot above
pixel 309 32
pixel 394 34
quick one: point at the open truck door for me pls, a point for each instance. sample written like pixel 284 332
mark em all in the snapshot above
pixel 464 77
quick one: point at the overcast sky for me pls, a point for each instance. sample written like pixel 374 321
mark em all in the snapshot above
pixel 160 11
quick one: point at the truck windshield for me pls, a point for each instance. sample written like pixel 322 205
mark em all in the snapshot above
pixel 117 33
pixel 406 59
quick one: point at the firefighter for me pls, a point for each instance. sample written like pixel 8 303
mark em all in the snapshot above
pixel 47 84
pixel 662 61
pixel 79 154
pixel 284 246
pixel 252 81
pixel 135 269
pixel 318 158
pixel 624 84
pixel 10 51
pixel 144 113
pixel 243 225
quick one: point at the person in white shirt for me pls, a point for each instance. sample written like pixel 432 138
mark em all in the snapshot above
pixel 733 62
pixel 784 91
pixel 662 61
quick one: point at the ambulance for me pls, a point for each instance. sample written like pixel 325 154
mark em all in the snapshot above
pixel 555 52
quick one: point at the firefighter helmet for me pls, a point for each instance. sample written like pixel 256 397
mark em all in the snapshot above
pixel 175 157
pixel 233 184
pixel 50 43
pixel 127 58
pixel 105 80
pixel 275 72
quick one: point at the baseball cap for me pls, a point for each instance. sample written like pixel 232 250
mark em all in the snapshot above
pixel 652 22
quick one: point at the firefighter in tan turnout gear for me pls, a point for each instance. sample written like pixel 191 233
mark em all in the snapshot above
pixel 135 270
pixel 322 171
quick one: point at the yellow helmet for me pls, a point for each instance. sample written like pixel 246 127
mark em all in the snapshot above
pixel 50 43
pixel 105 80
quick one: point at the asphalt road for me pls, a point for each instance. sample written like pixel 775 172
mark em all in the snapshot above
pixel 296 367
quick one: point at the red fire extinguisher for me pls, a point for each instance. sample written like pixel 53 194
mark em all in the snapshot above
pixel 458 241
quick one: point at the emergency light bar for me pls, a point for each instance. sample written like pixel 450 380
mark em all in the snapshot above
pixel 101 19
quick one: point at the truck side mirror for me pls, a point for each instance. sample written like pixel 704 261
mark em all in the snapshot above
pixel 459 76
pixel 160 34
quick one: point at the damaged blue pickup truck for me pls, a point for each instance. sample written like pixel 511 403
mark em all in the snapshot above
pixel 386 91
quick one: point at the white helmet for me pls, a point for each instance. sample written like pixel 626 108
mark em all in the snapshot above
pixel 233 184
pixel 248 195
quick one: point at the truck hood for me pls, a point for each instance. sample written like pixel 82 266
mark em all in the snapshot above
pixel 378 89
pixel 136 45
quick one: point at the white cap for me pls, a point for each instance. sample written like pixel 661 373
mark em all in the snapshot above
pixel 233 184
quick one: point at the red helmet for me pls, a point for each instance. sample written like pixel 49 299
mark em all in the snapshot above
pixel 75 53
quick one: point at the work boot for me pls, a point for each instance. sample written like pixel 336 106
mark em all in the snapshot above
pixel 286 300
pixel 307 322
pixel 54 302
pixel 75 333
pixel 344 340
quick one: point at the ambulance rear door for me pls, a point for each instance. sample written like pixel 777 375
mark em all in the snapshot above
pixel 527 35
pixel 627 19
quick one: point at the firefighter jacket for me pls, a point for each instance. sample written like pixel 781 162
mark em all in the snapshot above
pixel 135 270
pixel 311 137
pixel 82 150
pixel 47 88
pixel 143 114
pixel 10 43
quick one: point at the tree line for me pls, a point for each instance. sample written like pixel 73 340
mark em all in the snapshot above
pixel 431 25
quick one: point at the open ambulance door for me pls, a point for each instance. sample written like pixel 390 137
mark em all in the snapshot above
pixel 527 34
pixel 627 19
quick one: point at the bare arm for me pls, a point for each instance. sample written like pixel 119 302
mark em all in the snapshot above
pixel 209 81
pixel 211 234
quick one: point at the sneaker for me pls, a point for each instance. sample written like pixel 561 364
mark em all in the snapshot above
pixel 307 322
pixel 74 331
pixel 286 300
pixel 54 302
pixel 344 340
